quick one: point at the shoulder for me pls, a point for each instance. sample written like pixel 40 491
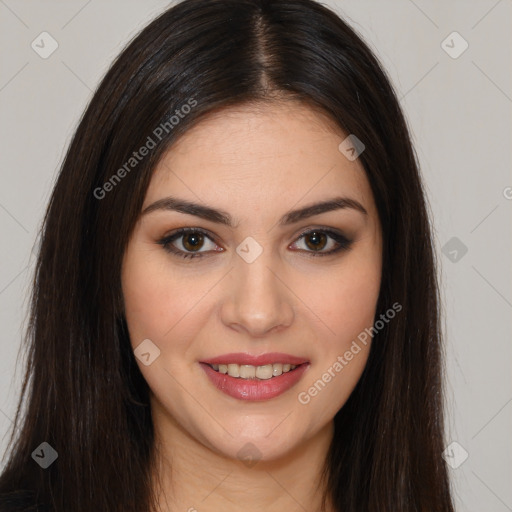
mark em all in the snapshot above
pixel 20 501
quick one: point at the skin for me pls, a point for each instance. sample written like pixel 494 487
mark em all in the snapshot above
pixel 256 164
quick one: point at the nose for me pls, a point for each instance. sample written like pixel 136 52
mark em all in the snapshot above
pixel 258 300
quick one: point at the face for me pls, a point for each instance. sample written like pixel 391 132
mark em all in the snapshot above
pixel 280 298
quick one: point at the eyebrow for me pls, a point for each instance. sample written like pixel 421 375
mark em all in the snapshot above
pixel 222 217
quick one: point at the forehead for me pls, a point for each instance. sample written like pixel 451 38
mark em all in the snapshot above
pixel 260 157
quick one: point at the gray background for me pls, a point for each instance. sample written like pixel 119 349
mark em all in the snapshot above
pixel 459 111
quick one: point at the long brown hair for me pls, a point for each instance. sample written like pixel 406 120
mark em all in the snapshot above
pixel 83 393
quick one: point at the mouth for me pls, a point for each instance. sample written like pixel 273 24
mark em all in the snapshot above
pixel 248 371
pixel 255 378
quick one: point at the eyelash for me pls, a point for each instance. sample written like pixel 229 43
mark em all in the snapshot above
pixel 344 243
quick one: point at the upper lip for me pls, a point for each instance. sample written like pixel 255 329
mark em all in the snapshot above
pixel 261 360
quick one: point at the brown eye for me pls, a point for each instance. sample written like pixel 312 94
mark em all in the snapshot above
pixel 193 241
pixel 316 240
pixel 188 243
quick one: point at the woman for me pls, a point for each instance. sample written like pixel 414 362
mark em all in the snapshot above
pixel 235 301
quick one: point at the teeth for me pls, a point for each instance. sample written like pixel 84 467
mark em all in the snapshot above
pixel 247 371
pixel 264 372
pixel 277 369
pixel 234 370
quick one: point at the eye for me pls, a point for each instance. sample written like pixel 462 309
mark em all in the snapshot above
pixel 316 240
pixel 193 239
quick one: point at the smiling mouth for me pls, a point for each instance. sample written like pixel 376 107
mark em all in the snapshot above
pixel 247 371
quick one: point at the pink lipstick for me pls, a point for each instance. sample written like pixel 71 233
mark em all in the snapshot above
pixel 254 377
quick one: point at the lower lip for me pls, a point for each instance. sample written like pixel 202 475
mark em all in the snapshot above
pixel 254 389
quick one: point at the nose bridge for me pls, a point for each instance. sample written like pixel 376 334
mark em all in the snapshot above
pixel 258 300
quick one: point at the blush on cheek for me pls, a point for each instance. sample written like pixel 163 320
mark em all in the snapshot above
pixel 146 298
pixel 345 310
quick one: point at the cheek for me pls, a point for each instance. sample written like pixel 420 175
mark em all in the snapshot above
pixel 345 349
pixel 356 300
pixel 146 301
pixel 152 305
pixel 162 304
pixel 344 300
pixel 346 303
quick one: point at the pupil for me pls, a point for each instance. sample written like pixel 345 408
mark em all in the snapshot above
pixel 317 238
pixel 196 241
